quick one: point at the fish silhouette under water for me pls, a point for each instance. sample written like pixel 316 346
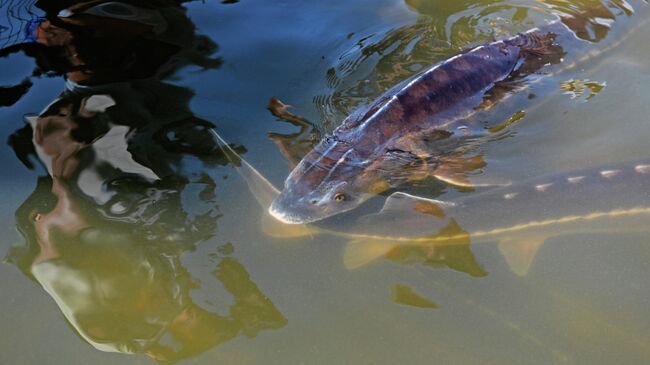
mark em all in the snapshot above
pixel 520 217
pixel 412 131
pixel 606 199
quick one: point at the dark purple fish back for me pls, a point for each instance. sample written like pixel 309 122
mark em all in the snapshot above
pixel 416 105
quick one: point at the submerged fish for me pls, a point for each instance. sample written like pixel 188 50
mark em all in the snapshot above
pixel 411 132
pixel 520 217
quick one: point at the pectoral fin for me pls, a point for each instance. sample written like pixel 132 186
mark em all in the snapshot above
pixel 400 201
pixel 362 251
pixel 455 171
pixel 450 248
pixel 520 252
pixel 415 217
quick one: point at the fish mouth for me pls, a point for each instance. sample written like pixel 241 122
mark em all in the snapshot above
pixel 287 217
pixel 293 212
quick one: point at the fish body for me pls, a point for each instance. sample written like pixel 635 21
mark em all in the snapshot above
pixel 607 199
pixel 618 190
pixel 411 126
pixel 519 217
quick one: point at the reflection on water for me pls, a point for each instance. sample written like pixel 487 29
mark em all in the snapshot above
pixel 129 195
pixel 578 89
pixel 126 193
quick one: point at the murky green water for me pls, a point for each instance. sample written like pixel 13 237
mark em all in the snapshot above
pixel 117 255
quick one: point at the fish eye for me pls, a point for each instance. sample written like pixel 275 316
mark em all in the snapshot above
pixel 339 197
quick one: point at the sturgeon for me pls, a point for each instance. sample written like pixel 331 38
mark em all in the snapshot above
pixel 411 132
pixel 520 218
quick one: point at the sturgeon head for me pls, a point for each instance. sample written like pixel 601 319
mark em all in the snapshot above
pixel 333 178
pixel 336 177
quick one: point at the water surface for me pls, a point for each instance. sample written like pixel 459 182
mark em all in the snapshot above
pixel 160 252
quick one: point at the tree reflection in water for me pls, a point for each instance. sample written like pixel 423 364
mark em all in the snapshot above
pixel 125 195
